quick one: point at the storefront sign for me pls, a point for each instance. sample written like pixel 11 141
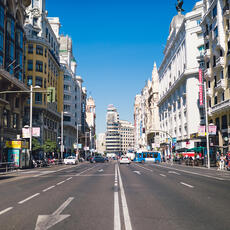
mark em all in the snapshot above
pixel 14 144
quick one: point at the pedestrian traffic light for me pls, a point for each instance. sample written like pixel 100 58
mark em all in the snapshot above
pixel 51 94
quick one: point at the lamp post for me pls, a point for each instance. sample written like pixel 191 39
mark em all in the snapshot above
pixel 77 139
pixel 206 123
pixel 31 119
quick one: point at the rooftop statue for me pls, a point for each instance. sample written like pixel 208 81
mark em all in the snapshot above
pixel 179 6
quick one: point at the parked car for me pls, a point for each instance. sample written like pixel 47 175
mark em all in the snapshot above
pixel 97 159
pixel 124 160
pixel 71 160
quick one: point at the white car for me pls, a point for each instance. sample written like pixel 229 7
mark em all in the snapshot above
pixel 71 160
pixel 124 160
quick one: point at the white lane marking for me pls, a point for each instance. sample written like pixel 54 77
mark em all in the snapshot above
pixel 163 175
pixel 44 190
pixel 45 222
pixel 137 172
pixel 78 174
pixel 144 168
pixel 188 185
pixel 61 182
pixel 117 220
pixel 28 198
pixel 125 209
pixel 172 172
pixel 6 210
pixel 43 173
pixel 194 173
pixel 101 170
pixel 69 178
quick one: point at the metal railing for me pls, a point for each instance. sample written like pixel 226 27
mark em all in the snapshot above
pixel 6 167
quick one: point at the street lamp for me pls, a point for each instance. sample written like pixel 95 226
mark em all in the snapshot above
pixel 62 137
pixel 77 137
pixel 31 118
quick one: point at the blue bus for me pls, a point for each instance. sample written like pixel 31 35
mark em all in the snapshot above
pixel 148 157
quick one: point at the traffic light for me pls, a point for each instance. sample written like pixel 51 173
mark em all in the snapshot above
pixel 51 94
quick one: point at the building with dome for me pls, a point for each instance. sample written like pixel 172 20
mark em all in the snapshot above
pixel 179 111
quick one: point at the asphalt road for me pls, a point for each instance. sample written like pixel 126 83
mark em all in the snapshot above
pixel 110 196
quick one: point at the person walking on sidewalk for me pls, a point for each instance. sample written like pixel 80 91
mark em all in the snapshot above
pixel 222 160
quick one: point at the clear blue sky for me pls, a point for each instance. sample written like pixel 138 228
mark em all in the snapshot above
pixel 115 44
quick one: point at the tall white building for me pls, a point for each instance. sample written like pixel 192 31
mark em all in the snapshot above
pixel 127 136
pixel 180 115
pixel 101 144
pixel 113 141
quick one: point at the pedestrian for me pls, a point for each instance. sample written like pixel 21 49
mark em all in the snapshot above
pixel 222 161
pixel 218 160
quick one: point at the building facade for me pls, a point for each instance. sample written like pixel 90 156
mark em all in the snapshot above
pixel 91 121
pixel 42 68
pixel 126 136
pixel 101 144
pixel 146 115
pixel 12 41
pixel 179 111
pixel 113 140
pixel 215 26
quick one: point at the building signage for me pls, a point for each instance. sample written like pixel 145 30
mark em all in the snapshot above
pixel 14 144
pixel 212 129
pixel 201 131
pixel 26 132
pixel 201 87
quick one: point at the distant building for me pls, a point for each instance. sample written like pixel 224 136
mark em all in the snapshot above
pixel 126 136
pixel 91 120
pixel 101 144
pixel 113 141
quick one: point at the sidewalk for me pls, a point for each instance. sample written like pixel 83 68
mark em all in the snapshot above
pixel 225 174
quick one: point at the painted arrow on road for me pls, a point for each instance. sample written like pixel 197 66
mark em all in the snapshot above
pixel 47 221
pixel 137 172
pixel 101 170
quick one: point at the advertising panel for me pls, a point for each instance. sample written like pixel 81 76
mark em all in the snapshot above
pixel 201 131
pixel 13 157
pixel 201 87
pixel 212 129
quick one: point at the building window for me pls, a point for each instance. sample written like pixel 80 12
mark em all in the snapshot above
pixel 38 98
pixel 215 82
pixel 38 81
pixel 224 124
pixel 209 103
pixel 15 120
pixel 39 66
pixel 30 65
pixel 45 52
pixel 39 50
pixel 29 80
pixel 207 45
pixel 67 118
pixel 209 84
pixel 214 12
pixel 222 97
pixel 214 61
pixel 222 74
pixel 216 32
pixel 30 48
pixel 2 16
pixel 215 100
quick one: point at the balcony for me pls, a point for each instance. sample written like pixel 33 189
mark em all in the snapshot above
pixel 220 85
pixel 220 62
pixel 224 105
pixel 207 54
pixel 209 92
pixel 226 11
pixel 207 74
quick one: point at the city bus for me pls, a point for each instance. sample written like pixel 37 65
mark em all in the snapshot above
pixel 148 157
